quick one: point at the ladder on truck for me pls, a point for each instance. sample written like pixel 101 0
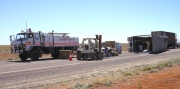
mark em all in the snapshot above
pixel 51 43
pixel 51 48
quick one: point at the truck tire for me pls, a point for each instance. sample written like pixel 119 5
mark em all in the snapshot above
pixel 35 55
pixel 84 57
pixel 23 56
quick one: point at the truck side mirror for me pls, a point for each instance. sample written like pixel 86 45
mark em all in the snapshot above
pixel 11 37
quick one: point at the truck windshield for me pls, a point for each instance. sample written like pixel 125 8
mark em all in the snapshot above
pixel 21 36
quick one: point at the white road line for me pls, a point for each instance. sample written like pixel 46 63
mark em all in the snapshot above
pixel 66 65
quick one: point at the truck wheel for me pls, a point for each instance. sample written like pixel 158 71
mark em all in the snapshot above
pixel 23 56
pixel 84 57
pixel 35 55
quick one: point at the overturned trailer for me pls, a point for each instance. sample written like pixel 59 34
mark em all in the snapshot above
pixel 172 40
pixel 149 43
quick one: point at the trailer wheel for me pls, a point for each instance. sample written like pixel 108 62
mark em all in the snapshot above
pixel 35 55
pixel 84 57
pixel 23 56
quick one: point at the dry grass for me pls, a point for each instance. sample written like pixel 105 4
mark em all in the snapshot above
pixel 95 82
pixel 124 46
pixel 5 48
pixel 5 53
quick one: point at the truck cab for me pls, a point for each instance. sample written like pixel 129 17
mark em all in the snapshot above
pixel 23 44
pixel 24 41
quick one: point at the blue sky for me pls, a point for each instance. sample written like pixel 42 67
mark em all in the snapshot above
pixel 114 19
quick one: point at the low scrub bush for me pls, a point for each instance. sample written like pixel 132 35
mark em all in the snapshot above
pixel 139 85
pixel 80 86
pixel 127 74
pixel 146 68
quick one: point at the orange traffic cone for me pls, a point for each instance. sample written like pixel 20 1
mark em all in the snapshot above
pixel 70 57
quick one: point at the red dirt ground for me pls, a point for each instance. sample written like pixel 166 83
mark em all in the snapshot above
pixel 168 78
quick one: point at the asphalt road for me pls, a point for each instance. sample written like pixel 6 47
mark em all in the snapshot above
pixel 17 74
